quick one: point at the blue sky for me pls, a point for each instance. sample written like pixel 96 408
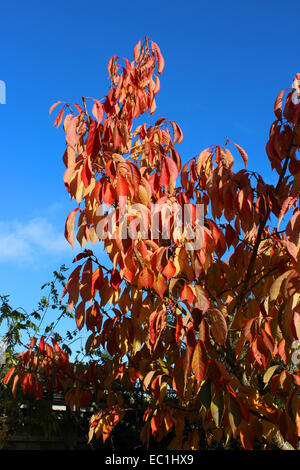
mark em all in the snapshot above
pixel 226 61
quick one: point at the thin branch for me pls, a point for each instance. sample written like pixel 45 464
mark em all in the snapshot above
pixel 263 221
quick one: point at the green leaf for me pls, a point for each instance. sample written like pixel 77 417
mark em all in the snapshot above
pixel 269 373
pixel 234 413
pixel 205 394
pixel 217 407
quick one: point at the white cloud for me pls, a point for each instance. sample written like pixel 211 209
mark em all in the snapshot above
pixel 28 241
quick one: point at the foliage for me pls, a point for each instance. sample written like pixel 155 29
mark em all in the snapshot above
pixel 203 334
pixel 22 414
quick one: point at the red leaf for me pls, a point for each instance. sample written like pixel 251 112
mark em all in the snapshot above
pixel 152 327
pixel 72 285
pixel 157 322
pixel 122 186
pixel 171 169
pixel 54 106
pixel 59 117
pixel 8 375
pixel 86 172
pixel 179 327
pixel 32 343
pixel 55 346
pixel 80 315
pixel 278 105
pixel 177 133
pixel 197 317
pixel 160 121
pixel 108 193
pixel 187 294
pixel 71 135
pixel 91 137
pixel 164 174
pixel 115 279
pixel 297 379
pixel 82 255
pixel 79 109
pixel 230 235
pixel 48 350
pixel 42 345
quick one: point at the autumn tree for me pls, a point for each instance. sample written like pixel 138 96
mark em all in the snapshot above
pixel 199 309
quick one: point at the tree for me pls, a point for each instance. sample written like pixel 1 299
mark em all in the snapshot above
pixel 20 413
pixel 199 309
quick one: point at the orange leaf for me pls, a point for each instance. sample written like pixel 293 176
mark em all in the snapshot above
pixel 86 281
pixel 286 205
pixel 146 278
pixel 156 423
pixel 159 284
pixel 71 135
pixel 72 286
pixel 98 110
pixel 80 315
pixel 97 281
pixel 69 226
pixel 108 193
pixel 218 326
pixel 187 294
pixel 242 153
pixel 296 322
pixel 169 270
pixel 159 57
pixel 137 51
pixel 292 234
pixel 14 385
pixel 199 362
